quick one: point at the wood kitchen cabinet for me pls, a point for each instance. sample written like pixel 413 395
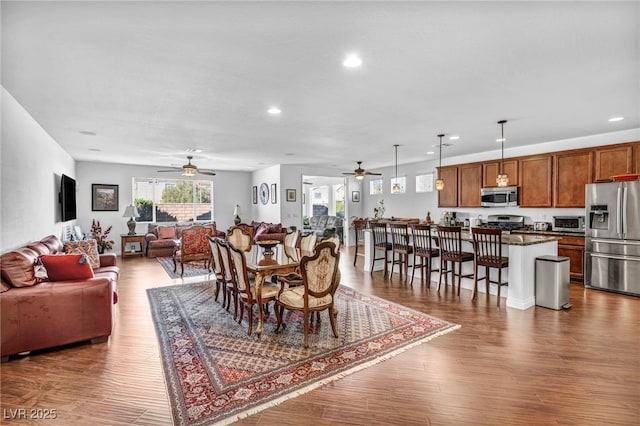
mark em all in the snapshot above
pixel 469 183
pixel 536 177
pixel 611 161
pixel 448 197
pixel 573 248
pixel 573 170
pixel 491 169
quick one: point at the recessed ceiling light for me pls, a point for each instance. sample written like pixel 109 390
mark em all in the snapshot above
pixel 454 138
pixel 430 153
pixel 612 119
pixel 352 61
pixel 274 110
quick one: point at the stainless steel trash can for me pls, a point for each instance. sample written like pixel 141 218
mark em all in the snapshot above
pixel 552 282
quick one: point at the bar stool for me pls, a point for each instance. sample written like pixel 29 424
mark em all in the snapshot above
pixel 358 229
pixel 380 242
pixel 487 243
pixel 400 246
pixel 450 240
pixel 423 251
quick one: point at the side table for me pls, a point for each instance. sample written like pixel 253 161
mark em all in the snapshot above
pixel 132 245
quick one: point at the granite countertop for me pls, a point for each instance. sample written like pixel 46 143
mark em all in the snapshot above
pixel 560 233
pixel 519 239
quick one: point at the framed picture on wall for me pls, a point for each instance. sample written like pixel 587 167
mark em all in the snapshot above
pixel 104 197
pixel 355 196
pixel 274 194
pixel 291 195
pixel 254 196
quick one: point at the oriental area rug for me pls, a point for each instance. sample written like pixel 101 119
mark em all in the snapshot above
pixel 192 269
pixel 216 374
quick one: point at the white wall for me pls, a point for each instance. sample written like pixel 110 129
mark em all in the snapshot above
pixel 32 164
pixel 230 188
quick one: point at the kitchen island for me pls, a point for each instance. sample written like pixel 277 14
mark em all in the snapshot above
pixel 522 250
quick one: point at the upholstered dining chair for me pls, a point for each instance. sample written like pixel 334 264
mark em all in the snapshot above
pixel 423 252
pixel 247 290
pixel 487 245
pixel 230 287
pixel 380 242
pixel 359 225
pixel 450 241
pixel 239 238
pixel 193 247
pixel 216 265
pixel 308 242
pixel 400 246
pixel 317 292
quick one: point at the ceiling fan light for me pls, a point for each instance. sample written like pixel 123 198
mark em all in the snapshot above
pixel 359 177
pixel 439 184
pixel 189 170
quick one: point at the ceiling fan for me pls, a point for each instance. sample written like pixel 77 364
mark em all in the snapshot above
pixel 190 169
pixel 360 173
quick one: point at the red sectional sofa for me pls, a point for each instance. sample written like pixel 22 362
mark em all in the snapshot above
pixel 48 301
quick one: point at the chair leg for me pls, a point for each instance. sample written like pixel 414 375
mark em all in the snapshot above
pixel 306 328
pixel 475 281
pixel 250 317
pixel 386 263
pixel 499 284
pixel 442 270
pixel 333 313
pixel 428 277
pixel 355 255
pixel 459 277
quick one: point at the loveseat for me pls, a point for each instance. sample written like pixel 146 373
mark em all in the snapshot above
pixel 261 231
pixel 160 237
pixel 50 298
pixel 325 226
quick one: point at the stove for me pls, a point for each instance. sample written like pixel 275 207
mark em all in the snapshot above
pixel 506 222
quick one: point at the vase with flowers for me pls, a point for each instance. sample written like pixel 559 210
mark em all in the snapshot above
pixel 101 236
pixel 378 212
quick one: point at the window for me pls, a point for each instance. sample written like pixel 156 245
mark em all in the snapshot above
pixel 398 185
pixel 338 197
pixel 424 183
pixel 375 187
pixel 173 200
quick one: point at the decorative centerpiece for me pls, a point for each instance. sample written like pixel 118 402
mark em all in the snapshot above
pixel 267 246
pixel 101 237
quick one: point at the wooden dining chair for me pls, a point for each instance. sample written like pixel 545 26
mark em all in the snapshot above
pixel 450 241
pixel 216 265
pixel 487 244
pixel 317 292
pixel 424 251
pixel 400 246
pixel 359 225
pixel 230 287
pixel 246 289
pixel 380 243
pixel 239 238
pixel 308 242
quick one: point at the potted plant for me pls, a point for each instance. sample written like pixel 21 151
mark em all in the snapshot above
pixel 101 237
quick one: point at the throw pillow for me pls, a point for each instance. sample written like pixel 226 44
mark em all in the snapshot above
pixel 64 267
pixel 261 230
pixel 275 228
pixel 86 247
pixel 167 232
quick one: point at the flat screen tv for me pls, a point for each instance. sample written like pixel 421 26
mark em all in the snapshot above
pixel 68 198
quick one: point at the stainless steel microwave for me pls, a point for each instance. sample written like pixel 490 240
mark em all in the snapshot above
pixel 506 196
pixel 568 224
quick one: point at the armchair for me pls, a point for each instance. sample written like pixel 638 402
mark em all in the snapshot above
pixel 194 246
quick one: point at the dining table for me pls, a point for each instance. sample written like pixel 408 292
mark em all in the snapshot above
pixel 285 261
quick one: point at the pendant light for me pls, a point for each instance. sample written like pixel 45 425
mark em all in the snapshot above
pixel 439 181
pixel 502 179
pixel 395 189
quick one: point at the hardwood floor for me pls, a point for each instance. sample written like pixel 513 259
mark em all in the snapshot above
pixel 503 366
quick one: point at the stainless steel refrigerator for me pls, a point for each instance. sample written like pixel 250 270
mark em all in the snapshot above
pixel 612 244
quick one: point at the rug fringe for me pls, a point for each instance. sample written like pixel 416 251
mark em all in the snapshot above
pixel 333 378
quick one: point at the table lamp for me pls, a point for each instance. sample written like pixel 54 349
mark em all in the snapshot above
pixel 131 212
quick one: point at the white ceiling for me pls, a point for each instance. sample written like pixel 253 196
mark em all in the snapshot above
pixel 152 79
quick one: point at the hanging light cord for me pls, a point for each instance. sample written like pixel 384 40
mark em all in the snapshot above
pixel 440 136
pixel 502 141
pixel 396 163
